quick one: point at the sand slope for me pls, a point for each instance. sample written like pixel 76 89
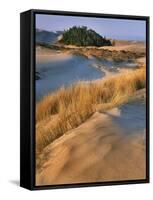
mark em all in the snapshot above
pixel 95 151
pixel 127 46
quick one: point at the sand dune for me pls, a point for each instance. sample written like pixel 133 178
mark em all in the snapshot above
pixel 50 55
pixel 95 151
pixel 107 147
pixel 127 46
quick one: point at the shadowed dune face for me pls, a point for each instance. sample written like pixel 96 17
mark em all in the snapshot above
pixel 95 151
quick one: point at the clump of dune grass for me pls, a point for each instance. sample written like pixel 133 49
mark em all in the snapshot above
pixel 68 107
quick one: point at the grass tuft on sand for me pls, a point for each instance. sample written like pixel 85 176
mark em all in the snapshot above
pixel 69 107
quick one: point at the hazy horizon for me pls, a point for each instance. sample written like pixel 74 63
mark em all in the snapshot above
pixel 124 29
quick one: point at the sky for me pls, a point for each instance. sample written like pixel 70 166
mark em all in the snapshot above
pixel 110 28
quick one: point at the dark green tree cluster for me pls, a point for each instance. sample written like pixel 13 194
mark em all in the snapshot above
pixel 82 36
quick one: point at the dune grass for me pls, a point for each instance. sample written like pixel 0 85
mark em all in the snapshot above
pixel 68 107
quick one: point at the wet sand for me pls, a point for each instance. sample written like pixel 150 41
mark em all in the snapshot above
pixel 98 150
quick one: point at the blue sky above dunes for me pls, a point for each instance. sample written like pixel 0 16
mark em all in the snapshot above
pixel 111 28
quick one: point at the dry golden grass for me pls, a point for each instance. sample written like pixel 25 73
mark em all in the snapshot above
pixel 69 107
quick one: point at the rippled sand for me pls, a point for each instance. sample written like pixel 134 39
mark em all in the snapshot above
pixel 98 150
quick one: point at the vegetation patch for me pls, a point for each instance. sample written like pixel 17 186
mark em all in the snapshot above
pixel 82 36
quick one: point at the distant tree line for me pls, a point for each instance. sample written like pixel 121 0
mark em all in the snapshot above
pixel 82 36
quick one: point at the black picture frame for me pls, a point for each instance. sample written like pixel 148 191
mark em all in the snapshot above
pixel 27 99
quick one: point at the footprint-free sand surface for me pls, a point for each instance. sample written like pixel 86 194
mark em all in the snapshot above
pixel 109 146
pixel 98 150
